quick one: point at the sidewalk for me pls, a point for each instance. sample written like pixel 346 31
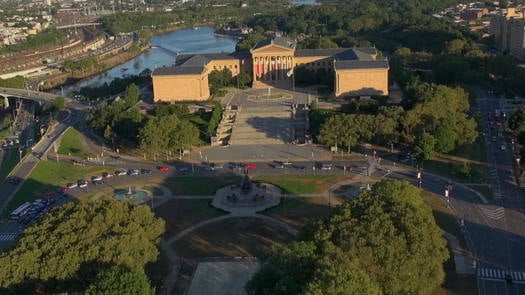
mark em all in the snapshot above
pixel 462 263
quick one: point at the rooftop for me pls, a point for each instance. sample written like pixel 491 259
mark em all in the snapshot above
pixel 279 41
pixel 360 64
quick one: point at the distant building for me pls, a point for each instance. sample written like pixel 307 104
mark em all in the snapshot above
pixel 470 14
pixel 270 62
pixel 508 29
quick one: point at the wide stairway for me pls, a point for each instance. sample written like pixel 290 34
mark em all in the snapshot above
pixel 268 124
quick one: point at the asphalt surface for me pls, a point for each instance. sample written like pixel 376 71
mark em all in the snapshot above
pixel 495 231
pixel 498 232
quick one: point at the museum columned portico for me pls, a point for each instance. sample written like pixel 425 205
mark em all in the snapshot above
pixel 273 63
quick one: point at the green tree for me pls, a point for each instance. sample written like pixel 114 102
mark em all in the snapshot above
pixel 337 273
pixel 286 270
pixel 132 95
pixel 445 137
pixel 247 43
pixel 120 280
pixel 59 103
pixel 78 234
pixel 385 241
pixel 517 121
pixel 424 147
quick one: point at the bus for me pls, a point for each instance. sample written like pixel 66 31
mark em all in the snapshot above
pixel 20 211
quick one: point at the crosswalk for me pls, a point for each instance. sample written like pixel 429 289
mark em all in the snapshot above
pixel 493 213
pixel 499 274
pixel 496 189
pixel 8 236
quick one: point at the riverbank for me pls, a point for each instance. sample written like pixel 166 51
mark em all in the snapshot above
pixel 161 49
pixel 54 82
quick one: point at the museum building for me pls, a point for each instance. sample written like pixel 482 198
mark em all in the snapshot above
pixel 357 71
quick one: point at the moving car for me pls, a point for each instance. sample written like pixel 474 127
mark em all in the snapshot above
pixel 326 167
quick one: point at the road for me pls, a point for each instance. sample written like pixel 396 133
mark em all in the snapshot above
pixel 495 231
pixel 503 247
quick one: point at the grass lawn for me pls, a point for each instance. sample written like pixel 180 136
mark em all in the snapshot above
pixel 454 283
pixel 307 184
pixel 47 177
pixel 73 143
pixel 199 185
pixel 448 165
pixel 180 214
pixel 231 237
pixel 297 212
pixel 11 158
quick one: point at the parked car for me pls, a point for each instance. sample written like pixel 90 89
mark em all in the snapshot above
pixel 163 168
pixel 96 178
pixel 121 172
pixel 132 172
pixel 214 166
pixel 108 175
pixel 72 185
pixel 82 183
pixel 145 171
pixel 251 166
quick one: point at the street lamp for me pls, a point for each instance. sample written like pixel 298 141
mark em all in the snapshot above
pixel 20 153
pixel 419 174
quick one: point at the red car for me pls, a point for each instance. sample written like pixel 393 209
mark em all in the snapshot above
pixel 164 168
pixel 63 190
pixel 251 166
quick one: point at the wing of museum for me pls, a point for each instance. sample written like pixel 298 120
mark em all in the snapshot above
pixel 357 71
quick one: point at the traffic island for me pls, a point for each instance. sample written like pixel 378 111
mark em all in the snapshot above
pixel 247 198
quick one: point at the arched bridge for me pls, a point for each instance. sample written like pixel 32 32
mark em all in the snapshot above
pixel 40 97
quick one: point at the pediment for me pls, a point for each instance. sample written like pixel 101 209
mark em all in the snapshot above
pixel 271 49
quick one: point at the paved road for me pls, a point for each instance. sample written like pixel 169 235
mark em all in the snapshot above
pixel 499 232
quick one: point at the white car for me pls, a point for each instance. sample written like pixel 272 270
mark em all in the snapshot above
pixel 72 185
pixel 96 178
pixel 503 147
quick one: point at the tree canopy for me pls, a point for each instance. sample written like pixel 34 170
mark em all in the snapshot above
pixel 167 133
pixel 386 241
pixel 64 250
pixel 120 280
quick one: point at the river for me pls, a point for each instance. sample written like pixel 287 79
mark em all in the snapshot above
pixel 164 49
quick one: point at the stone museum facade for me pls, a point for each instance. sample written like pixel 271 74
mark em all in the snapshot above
pixel 356 71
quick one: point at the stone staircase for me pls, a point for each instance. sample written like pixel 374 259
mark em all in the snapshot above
pixel 268 125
